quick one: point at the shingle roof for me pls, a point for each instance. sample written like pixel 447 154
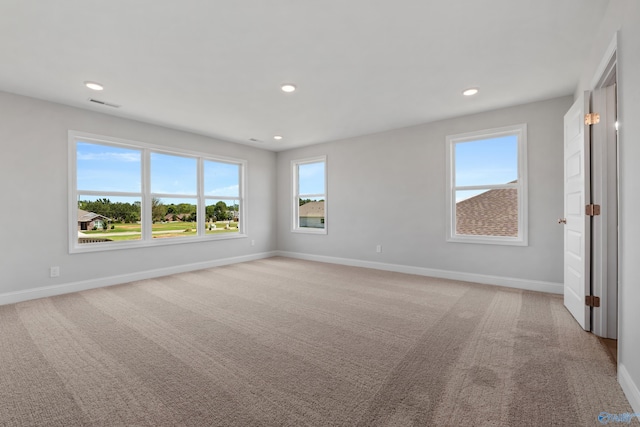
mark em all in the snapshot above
pixel 84 216
pixel 492 213
pixel 170 216
pixel 311 210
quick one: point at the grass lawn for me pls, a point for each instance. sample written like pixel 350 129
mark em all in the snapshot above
pixel 119 228
pixel 119 238
pixel 160 230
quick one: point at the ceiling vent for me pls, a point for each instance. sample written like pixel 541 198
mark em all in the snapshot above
pixel 107 104
pixel 255 140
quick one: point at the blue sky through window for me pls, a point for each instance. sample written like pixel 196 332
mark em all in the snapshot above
pixel 173 174
pixel 491 161
pixel 221 179
pixel 311 178
pixel 487 161
pixel 107 168
pixel 116 169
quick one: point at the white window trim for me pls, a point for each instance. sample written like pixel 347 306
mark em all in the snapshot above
pixel 295 225
pixel 520 131
pixel 145 195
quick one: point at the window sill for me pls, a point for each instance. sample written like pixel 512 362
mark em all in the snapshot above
pixel 309 230
pixel 75 248
pixel 489 240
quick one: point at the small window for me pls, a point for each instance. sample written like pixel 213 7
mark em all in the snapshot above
pixel 310 195
pixel 127 194
pixel 486 198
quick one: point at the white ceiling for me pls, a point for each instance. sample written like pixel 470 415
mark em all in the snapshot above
pixel 362 66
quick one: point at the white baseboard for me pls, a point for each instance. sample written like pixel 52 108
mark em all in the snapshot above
pixel 629 387
pixel 531 285
pixel 48 291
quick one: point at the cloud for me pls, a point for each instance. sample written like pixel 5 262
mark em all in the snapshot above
pixel 109 156
pixel 231 190
pixel 311 170
pixel 485 176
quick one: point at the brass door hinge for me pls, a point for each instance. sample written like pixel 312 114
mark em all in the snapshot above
pixel 592 210
pixel 591 118
pixel 592 301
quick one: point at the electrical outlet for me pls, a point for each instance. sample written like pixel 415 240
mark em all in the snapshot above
pixel 253 243
pixel 379 248
pixel 54 271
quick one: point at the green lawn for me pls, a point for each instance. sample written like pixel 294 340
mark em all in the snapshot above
pixel 119 238
pixel 119 228
pixel 160 230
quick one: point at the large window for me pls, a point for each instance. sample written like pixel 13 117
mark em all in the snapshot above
pixel 310 195
pixel 486 196
pixel 128 194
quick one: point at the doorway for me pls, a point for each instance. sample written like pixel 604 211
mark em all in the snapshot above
pixel 604 191
pixel 591 180
pixel 604 227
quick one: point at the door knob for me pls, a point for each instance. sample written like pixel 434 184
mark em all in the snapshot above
pixel 562 220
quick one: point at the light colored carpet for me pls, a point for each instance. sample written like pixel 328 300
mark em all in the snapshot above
pixel 283 342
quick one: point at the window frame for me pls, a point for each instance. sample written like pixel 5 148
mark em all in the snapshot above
pixel 145 195
pixel 295 226
pixel 520 131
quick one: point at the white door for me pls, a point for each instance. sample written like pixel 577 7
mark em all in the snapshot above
pixel 576 223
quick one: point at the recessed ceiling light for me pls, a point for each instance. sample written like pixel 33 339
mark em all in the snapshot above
pixel 94 85
pixel 288 87
pixel 471 91
pixel 277 137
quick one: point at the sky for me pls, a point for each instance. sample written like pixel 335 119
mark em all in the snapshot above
pixel 485 162
pixel 311 178
pixel 479 162
pixel 116 169
pixel 108 168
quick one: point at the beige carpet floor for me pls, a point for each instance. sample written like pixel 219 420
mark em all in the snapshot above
pixel 283 342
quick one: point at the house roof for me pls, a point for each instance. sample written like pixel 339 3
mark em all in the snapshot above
pixel 311 210
pixel 170 216
pixel 85 216
pixel 492 213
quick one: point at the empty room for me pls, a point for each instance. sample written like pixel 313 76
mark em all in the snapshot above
pixel 300 213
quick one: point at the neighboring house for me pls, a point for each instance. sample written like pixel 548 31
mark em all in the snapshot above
pixel 312 215
pixel 492 213
pixel 88 220
pixel 175 217
pixel 235 214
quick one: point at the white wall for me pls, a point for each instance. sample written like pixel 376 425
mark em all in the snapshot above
pixel 624 16
pixel 33 173
pixel 389 189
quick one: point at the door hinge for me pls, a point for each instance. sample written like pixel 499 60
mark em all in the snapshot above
pixel 592 210
pixel 591 118
pixel 592 301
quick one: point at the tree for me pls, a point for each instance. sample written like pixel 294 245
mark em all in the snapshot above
pixel 158 210
pixel 220 211
pixel 118 211
pixel 210 212
pixel 185 208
